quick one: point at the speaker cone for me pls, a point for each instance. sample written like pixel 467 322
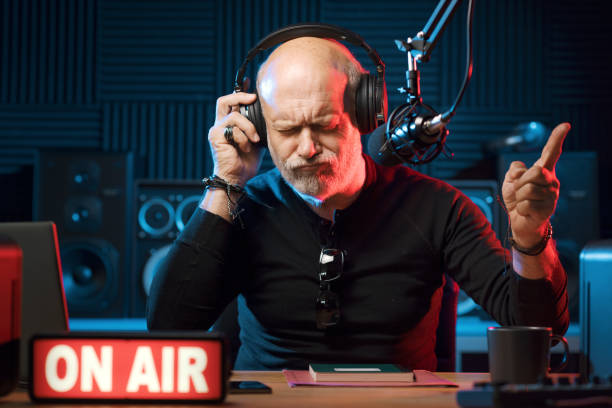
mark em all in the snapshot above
pixel 89 270
pixel 84 176
pixel 156 217
pixel 83 214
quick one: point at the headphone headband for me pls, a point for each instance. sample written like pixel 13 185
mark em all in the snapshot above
pixel 370 95
pixel 319 30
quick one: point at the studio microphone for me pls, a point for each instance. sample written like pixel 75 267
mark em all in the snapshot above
pixel 414 137
pixel 415 133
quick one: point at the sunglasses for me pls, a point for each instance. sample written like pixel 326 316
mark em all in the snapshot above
pixel 331 263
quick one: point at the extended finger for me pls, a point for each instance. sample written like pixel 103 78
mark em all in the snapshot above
pixel 552 150
pixel 227 103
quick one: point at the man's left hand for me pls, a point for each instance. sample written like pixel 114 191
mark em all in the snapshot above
pixel 531 194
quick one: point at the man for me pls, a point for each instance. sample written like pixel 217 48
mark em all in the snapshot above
pixel 337 259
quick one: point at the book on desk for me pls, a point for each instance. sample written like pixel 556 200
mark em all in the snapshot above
pixel 360 372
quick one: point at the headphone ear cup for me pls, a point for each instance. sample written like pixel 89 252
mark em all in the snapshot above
pixel 366 103
pixel 253 113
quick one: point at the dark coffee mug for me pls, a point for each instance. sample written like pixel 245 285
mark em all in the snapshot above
pixel 521 354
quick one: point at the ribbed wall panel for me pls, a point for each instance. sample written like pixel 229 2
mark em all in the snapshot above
pixel 49 127
pixel 379 26
pixel 580 38
pixel 157 50
pixel 242 23
pixel 509 57
pixel 170 140
pixel 590 128
pixel 47 52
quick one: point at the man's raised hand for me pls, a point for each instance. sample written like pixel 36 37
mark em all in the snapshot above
pixel 530 195
pixel 236 161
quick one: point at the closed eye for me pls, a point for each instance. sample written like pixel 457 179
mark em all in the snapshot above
pixel 287 132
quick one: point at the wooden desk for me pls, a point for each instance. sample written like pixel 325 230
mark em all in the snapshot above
pixel 316 397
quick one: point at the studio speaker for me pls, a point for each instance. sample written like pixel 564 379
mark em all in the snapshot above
pixel 163 207
pixel 88 196
pixel 484 194
pixel 595 306
pixel 576 218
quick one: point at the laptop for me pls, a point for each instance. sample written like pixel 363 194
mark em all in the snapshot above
pixel 43 303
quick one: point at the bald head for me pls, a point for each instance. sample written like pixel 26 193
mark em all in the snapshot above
pixel 304 59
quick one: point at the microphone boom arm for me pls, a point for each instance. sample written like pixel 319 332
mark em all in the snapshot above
pixel 436 25
pixel 420 47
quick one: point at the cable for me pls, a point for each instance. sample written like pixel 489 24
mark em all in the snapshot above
pixel 468 69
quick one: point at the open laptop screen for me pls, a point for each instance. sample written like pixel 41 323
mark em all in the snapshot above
pixel 43 303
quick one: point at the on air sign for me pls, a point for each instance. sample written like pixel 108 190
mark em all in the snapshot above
pixel 141 367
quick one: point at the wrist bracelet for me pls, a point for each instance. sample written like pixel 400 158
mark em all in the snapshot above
pixel 539 248
pixel 216 182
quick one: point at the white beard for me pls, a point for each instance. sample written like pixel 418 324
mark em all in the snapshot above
pixel 331 178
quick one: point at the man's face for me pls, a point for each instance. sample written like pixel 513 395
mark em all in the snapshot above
pixel 311 137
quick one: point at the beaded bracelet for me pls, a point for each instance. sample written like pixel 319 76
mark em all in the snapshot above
pixel 539 248
pixel 216 182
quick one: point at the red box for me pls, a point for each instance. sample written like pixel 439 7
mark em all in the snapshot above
pixel 160 367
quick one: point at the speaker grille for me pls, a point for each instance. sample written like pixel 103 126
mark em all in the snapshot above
pixel 163 209
pixel 88 196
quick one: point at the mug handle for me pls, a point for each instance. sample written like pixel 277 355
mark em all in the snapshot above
pixel 566 353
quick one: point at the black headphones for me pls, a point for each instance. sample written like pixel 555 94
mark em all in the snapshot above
pixel 371 97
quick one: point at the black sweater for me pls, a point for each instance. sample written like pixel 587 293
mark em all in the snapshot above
pixel 404 231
